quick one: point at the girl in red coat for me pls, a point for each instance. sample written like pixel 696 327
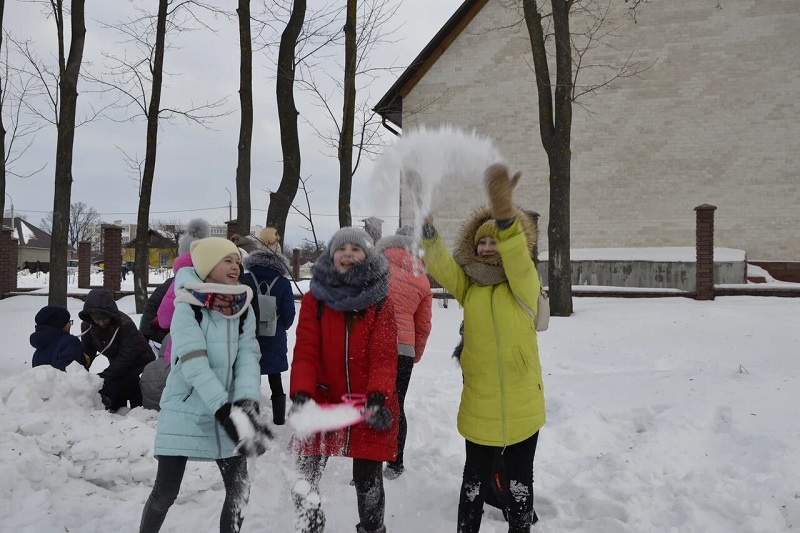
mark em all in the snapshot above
pixel 347 344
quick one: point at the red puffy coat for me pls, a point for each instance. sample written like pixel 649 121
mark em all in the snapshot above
pixel 411 292
pixel 338 353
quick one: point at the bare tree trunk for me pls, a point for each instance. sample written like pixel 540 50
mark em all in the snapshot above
pixel 246 127
pixel 348 117
pixel 2 128
pixel 69 71
pixel 555 128
pixel 141 268
pixel 280 201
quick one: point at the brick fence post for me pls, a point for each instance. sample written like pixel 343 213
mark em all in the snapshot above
pixel 112 258
pixel 8 261
pixel 705 252
pixel 296 264
pixel 84 264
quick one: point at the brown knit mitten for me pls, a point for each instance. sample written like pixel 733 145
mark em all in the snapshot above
pixel 500 188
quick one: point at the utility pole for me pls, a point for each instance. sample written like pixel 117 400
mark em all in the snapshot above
pixel 230 205
pixel 13 226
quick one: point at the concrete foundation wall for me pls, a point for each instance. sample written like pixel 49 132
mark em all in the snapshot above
pixel 647 274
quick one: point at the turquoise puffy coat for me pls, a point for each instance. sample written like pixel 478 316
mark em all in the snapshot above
pixel 212 364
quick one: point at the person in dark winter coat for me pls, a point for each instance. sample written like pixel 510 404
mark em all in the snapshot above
pixel 154 379
pixel 210 406
pixel 107 331
pixel 492 275
pixel 54 344
pixel 267 269
pixel 347 344
pixel 148 324
pixel 154 376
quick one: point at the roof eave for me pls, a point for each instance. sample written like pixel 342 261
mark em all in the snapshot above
pixel 390 106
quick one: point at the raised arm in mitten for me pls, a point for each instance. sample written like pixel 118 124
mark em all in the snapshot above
pixel 500 189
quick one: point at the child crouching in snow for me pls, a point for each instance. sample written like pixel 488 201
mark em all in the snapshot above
pixel 210 405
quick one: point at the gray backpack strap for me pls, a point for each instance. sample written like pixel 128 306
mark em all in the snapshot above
pixel 269 287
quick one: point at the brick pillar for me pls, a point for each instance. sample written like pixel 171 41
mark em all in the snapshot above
pixel 84 264
pixel 705 252
pixel 8 261
pixel 233 228
pixel 296 263
pixel 112 258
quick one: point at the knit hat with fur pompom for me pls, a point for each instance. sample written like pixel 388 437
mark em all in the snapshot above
pixel 197 228
pixel 487 229
pixel 206 253
pixel 270 239
pixel 353 235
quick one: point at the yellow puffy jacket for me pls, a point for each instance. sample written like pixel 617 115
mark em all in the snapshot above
pixel 502 402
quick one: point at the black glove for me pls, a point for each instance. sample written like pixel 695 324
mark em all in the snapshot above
pixel 298 401
pixel 380 418
pixel 253 411
pixel 248 435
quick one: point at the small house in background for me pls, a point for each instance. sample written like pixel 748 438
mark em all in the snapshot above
pixel 163 250
pixel 34 244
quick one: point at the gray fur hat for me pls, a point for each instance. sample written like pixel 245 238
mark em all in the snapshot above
pixel 196 229
pixel 352 235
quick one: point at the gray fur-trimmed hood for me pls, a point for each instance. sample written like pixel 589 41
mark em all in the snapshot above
pixel 268 259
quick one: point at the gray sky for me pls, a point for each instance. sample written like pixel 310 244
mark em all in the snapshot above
pixel 195 164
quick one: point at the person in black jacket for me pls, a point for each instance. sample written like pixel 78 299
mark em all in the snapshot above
pixel 148 324
pixel 109 332
pixel 52 340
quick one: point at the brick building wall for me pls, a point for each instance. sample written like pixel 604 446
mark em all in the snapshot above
pixel 714 120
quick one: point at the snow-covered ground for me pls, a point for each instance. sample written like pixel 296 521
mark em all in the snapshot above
pixel 663 415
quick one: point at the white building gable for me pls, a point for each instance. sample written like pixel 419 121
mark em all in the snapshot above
pixel 715 120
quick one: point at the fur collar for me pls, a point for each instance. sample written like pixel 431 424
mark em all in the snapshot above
pixel 268 259
pixel 483 270
pixel 187 282
pixel 355 290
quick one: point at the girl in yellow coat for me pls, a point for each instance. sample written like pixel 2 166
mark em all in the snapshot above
pixel 491 274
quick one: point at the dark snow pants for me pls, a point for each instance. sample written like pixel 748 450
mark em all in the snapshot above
pixel 405 366
pixel 368 480
pixel 118 392
pixel 475 486
pixel 168 483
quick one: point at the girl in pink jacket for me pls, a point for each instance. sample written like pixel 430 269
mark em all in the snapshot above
pixel 410 290
pixel 196 229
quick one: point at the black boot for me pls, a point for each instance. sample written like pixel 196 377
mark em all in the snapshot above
pixel 360 529
pixel 279 409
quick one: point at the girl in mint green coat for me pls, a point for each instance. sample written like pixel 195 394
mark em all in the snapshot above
pixel 492 276
pixel 210 405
